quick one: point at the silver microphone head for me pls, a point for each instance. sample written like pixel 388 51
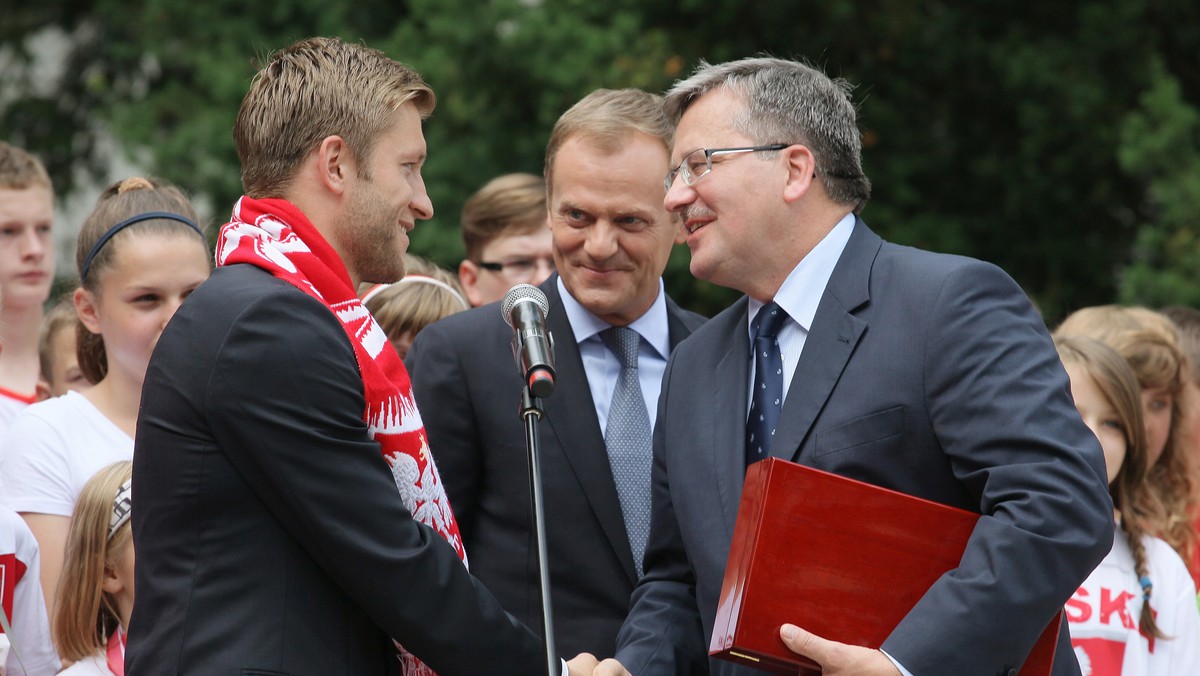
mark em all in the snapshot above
pixel 523 293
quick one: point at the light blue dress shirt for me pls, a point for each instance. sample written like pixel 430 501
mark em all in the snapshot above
pixel 602 366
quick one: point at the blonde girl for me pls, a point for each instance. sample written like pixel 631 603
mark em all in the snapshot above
pixel 140 253
pixel 95 596
pixel 1136 613
pixel 1150 344
pixel 426 294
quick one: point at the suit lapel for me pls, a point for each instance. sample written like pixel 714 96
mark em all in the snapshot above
pixel 834 334
pixel 729 385
pixel 571 415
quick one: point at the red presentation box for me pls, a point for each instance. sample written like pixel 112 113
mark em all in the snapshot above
pixel 844 559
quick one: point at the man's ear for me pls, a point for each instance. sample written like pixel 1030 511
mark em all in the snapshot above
pixel 468 277
pixel 802 167
pixel 85 307
pixel 335 163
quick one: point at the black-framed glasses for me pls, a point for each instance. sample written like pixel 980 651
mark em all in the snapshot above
pixel 517 268
pixel 698 163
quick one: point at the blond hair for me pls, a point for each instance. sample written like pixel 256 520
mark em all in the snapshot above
pixel 120 201
pixel 20 169
pixel 84 614
pixel 608 117
pixel 512 204
pixel 1150 344
pixel 316 88
pixel 410 305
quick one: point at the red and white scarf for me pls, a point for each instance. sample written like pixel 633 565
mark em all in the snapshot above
pixel 274 235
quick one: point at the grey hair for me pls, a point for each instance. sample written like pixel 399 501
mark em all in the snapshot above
pixel 789 102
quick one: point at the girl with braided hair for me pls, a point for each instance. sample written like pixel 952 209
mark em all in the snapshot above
pixel 1136 613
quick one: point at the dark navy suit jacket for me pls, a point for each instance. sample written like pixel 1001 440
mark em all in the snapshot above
pixel 271 538
pixel 925 373
pixel 468 390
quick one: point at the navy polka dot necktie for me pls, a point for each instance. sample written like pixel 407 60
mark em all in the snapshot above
pixel 766 400
pixel 627 436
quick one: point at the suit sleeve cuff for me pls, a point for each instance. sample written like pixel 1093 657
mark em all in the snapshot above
pixel 899 666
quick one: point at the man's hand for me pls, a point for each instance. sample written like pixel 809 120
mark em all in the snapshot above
pixel 611 667
pixel 582 665
pixel 837 658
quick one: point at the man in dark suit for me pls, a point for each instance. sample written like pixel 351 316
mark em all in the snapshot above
pixel 611 239
pixel 290 519
pixel 924 373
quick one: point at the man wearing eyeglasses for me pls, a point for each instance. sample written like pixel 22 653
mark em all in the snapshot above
pixel 924 373
pixel 613 329
pixel 505 236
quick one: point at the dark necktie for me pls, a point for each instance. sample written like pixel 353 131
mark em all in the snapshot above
pixel 627 436
pixel 766 400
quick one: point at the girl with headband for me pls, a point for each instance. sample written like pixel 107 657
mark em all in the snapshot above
pixel 1136 613
pixel 424 295
pixel 140 253
pixel 95 597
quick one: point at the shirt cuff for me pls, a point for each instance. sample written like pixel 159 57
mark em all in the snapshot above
pixel 899 666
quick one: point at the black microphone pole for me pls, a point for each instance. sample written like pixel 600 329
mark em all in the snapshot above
pixel 534 381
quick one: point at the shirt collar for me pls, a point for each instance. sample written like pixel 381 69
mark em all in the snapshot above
pixel 651 326
pixel 801 292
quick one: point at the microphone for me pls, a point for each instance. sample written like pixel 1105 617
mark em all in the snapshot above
pixel 524 309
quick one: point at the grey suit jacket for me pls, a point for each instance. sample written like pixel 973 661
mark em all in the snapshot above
pixel 924 373
pixel 468 391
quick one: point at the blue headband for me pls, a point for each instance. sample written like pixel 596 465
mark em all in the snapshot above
pixel 87 262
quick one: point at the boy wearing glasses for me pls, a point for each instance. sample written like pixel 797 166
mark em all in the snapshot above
pixel 505 236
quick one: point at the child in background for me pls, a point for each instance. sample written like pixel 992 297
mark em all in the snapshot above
pixel 95 598
pixel 140 253
pixel 425 294
pixel 506 237
pixel 1150 344
pixel 56 352
pixel 1136 613
pixel 26 273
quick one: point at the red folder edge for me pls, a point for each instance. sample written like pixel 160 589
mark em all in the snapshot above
pixel 747 632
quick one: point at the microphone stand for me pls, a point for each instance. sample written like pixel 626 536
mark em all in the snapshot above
pixel 531 411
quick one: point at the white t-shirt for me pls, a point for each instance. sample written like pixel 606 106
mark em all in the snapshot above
pixel 50 451
pixel 96 665
pixel 22 601
pixel 1105 611
pixel 11 404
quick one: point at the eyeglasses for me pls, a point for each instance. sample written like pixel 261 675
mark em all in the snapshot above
pixel 518 269
pixel 692 169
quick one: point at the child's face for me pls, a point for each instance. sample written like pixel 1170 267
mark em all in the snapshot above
pixel 1157 410
pixel 26 245
pixel 150 276
pixel 402 343
pixel 1100 417
pixel 64 364
pixel 528 258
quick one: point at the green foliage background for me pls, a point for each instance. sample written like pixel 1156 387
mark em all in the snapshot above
pixel 1059 140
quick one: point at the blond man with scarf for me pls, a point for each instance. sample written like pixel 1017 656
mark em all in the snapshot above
pixel 291 519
